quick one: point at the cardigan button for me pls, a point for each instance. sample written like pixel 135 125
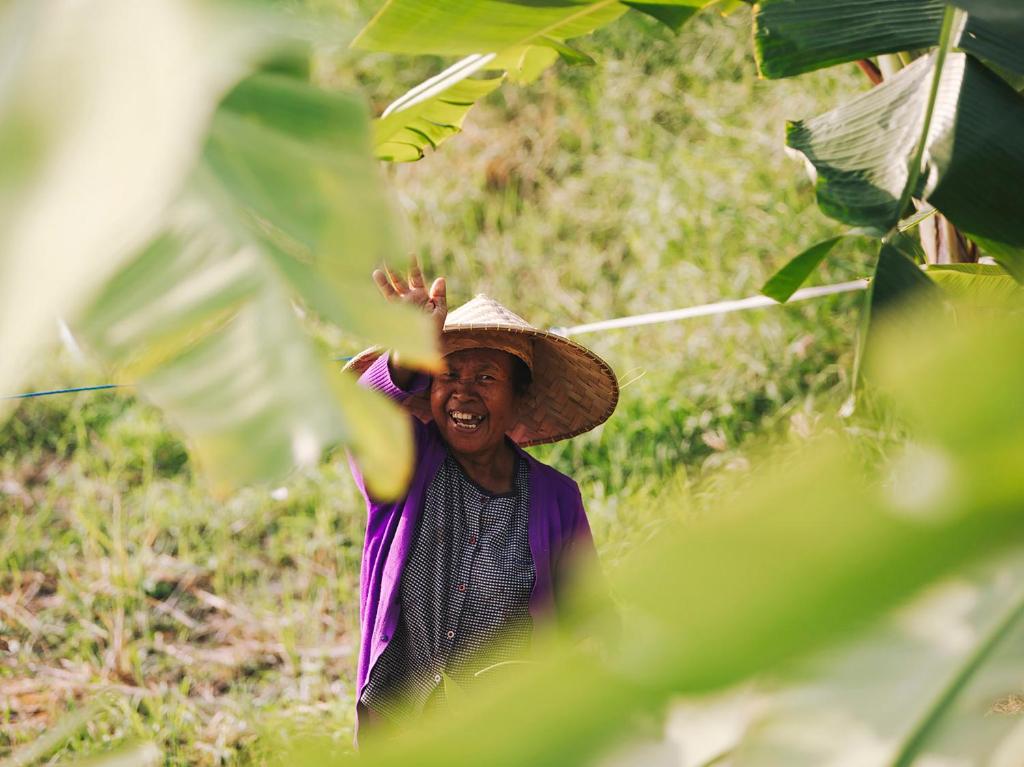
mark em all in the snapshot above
pixel 383 637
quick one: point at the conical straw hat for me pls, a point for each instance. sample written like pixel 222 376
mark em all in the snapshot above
pixel 573 389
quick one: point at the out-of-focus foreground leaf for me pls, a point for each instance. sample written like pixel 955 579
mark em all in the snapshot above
pixel 103 108
pixel 285 203
pixel 808 550
pixel 978 286
pixel 928 682
pixel 973 158
pixel 105 113
pixel 293 164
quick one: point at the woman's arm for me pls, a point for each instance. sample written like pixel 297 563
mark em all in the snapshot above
pixel 380 377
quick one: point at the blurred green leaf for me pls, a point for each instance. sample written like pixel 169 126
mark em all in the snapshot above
pixel 973 158
pixel 977 285
pixel 924 684
pixel 293 163
pixel 1009 257
pixel 102 112
pixel 285 203
pixel 223 354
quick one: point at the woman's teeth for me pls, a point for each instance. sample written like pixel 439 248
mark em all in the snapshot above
pixel 465 421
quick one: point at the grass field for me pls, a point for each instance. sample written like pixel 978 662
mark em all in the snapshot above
pixel 654 180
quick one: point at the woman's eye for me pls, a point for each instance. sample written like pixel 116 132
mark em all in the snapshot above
pixel 485 378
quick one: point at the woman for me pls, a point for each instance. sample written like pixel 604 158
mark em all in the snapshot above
pixel 455 573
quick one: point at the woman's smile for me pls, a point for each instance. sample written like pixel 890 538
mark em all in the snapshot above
pixel 465 421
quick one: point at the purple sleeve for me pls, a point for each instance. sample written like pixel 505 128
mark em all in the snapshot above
pixel 581 590
pixel 378 378
pixel 579 550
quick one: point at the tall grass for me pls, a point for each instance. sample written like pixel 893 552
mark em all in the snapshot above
pixel 654 180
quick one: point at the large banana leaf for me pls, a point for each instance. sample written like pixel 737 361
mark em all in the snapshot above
pixel 972 161
pixel 520 39
pixel 463 27
pixel 285 203
pixel 927 684
pixel 795 37
pixel 103 108
pixel 999 28
pixel 430 113
pixel 294 164
pixel 200 322
pixel 434 110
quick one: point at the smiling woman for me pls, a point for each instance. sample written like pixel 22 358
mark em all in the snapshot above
pixel 455 574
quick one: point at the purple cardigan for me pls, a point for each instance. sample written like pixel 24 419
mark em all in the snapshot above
pixel 558 530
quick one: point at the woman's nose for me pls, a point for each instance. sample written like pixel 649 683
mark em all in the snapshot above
pixel 464 386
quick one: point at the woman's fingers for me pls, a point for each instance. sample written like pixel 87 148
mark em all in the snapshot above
pixel 415 275
pixel 392 286
pixel 385 288
pixel 396 280
pixel 439 294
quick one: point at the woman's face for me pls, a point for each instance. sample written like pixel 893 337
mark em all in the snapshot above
pixel 473 400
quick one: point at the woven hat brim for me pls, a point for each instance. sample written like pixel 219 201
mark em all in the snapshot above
pixel 573 389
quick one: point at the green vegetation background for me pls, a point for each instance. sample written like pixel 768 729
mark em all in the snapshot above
pixel 655 180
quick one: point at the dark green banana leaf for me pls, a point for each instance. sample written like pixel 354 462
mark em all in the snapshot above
pixel 795 37
pixel 973 159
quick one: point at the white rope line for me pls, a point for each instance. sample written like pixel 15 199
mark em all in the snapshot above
pixel 704 310
pixel 707 310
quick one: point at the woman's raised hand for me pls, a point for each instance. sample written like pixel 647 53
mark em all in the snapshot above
pixel 413 291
